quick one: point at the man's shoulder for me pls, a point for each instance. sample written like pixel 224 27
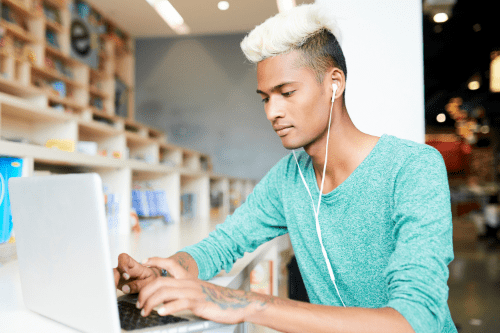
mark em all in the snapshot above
pixel 404 149
pixel 415 157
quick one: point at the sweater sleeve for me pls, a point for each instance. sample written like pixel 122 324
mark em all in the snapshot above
pixel 417 273
pixel 259 219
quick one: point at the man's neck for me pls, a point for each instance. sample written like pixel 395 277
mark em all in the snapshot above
pixel 347 148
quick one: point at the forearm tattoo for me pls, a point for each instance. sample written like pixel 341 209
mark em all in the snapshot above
pixel 183 260
pixel 227 298
pixel 237 299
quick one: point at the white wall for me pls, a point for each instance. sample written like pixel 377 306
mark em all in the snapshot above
pixel 383 46
pixel 201 91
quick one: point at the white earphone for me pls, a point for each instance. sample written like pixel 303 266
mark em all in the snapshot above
pixel 334 86
pixel 316 211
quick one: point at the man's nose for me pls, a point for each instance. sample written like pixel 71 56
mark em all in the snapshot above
pixel 274 109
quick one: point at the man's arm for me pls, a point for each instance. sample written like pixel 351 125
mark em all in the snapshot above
pixel 292 316
pixel 182 291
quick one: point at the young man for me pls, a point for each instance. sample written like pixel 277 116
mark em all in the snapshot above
pixel 373 249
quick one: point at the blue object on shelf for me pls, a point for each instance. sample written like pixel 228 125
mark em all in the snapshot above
pixel 151 203
pixel 9 167
pixel 141 203
pixel 162 205
pixel 148 203
pixel 83 10
pixel 60 87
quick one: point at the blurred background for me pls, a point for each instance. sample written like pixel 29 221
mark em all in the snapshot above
pixel 462 110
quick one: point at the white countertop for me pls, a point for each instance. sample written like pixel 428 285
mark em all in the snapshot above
pixel 161 242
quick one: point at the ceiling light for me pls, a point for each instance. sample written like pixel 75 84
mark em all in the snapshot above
pixel 485 129
pixel 284 5
pixel 495 72
pixel 474 85
pixel 474 82
pixel 441 118
pixel 223 5
pixel 440 17
pixel 170 15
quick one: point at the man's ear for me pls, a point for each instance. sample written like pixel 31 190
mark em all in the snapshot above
pixel 336 76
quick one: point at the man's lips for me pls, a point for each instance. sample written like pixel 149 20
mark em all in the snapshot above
pixel 282 130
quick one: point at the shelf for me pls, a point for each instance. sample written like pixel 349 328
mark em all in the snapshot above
pixel 104 114
pixel 97 92
pixel 17 89
pixel 53 74
pixel 56 3
pixel 136 139
pixel 22 8
pixel 54 26
pixel 58 53
pixel 99 74
pixel 17 31
pixel 65 101
pixel 25 111
pixel 100 128
pixel 55 156
pixel 58 157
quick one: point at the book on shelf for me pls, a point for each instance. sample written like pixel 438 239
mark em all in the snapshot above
pixel 112 202
pixel 151 204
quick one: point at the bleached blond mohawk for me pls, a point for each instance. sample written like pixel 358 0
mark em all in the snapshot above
pixel 287 31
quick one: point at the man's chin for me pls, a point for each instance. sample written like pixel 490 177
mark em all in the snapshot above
pixel 291 145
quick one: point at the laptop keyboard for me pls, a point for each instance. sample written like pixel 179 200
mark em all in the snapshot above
pixel 131 319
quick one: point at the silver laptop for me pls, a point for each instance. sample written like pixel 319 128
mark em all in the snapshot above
pixel 64 256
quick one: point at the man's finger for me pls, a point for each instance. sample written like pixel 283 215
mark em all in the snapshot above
pixel 174 306
pixel 133 287
pixel 162 295
pixel 131 269
pixel 170 265
pixel 152 287
pixel 125 262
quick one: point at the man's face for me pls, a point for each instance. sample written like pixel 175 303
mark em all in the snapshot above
pixel 296 104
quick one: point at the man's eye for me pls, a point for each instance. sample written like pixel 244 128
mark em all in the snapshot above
pixel 288 93
pixel 265 100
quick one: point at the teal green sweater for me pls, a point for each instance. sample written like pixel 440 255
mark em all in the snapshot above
pixel 386 229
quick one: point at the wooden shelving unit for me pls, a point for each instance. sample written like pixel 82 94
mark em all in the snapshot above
pixel 33 111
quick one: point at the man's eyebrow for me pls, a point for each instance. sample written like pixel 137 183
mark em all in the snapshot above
pixel 279 86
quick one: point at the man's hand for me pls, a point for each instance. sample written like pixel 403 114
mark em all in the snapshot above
pixel 130 276
pixel 182 291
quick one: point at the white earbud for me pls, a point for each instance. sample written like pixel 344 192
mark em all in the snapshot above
pixel 334 86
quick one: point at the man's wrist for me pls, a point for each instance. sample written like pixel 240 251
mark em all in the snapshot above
pixel 260 304
pixel 266 307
